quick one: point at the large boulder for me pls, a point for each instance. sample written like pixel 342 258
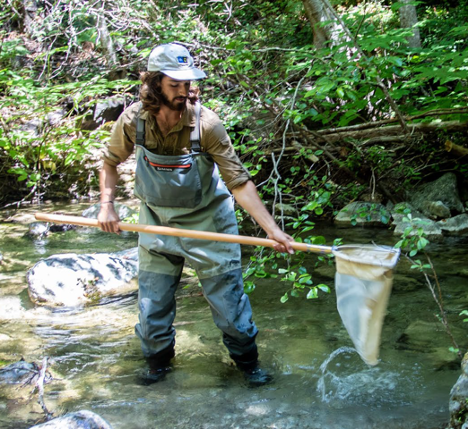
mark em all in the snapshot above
pixel 83 419
pixel 438 199
pixel 71 280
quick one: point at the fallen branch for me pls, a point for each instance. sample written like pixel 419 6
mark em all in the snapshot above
pixel 423 128
pixel 455 149
pixel 40 388
pixel 376 124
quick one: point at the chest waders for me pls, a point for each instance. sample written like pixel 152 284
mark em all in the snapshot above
pixel 186 192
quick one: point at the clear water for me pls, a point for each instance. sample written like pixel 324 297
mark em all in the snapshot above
pixel 320 382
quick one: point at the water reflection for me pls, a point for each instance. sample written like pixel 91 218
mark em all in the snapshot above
pixel 320 382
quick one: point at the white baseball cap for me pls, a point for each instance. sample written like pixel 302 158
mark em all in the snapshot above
pixel 174 61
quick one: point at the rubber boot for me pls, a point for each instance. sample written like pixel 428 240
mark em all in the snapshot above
pixel 249 365
pixel 158 366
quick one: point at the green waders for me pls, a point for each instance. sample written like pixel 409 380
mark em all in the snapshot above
pixel 187 192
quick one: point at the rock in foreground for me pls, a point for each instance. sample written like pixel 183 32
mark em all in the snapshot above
pixel 72 279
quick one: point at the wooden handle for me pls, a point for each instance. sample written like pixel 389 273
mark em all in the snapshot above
pixel 176 232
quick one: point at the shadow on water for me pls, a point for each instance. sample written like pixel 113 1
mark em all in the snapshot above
pixel 319 380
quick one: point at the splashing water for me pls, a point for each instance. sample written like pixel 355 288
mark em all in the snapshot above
pixel 323 368
pixel 358 383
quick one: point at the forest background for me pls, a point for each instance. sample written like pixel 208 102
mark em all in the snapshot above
pixel 326 103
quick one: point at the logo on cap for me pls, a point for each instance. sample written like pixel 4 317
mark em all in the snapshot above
pixel 182 60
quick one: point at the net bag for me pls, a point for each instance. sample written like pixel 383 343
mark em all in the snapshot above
pixel 363 283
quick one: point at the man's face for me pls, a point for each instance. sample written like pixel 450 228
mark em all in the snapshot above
pixel 174 92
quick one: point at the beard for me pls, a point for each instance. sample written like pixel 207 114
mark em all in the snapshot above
pixel 173 105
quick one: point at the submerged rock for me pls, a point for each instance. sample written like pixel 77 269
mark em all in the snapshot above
pixel 83 419
pixel 18 372
pixel 38 230
pixel 71 279
pixel 122 211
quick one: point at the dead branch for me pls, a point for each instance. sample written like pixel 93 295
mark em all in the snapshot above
pixel 456 150
pixel 40 388
pixel 376 124
pixel 393 130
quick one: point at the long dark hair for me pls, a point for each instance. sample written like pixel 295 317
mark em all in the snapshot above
pixel 150 91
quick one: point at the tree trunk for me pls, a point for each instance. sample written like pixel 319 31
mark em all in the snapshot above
pixel 106 42
pixel 29 10
pixel 409 19
pixel 318 12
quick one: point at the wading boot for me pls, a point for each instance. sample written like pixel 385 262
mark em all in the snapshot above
pixel 249 365
pixel 158 366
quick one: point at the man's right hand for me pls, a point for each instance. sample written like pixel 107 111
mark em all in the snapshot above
pixel 108 219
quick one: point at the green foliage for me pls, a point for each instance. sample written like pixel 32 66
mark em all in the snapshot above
pixel 370 210
pixel 47 149
pixel 413 238
pixel 290 269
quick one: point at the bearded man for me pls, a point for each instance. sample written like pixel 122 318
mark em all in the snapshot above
pixel 181 149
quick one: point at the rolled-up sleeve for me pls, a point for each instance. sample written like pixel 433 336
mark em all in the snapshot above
pixel 218 144
pixel 122 141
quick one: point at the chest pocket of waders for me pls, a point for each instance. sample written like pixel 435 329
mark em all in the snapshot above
pixel 169 181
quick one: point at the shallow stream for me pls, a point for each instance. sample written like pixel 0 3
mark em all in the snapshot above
pixel 319 381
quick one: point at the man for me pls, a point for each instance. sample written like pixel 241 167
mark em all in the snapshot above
pixel 179 147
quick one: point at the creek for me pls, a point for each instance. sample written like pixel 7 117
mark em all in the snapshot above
pixel 319 381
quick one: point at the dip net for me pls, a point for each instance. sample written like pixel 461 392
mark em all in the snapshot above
pixel 363 283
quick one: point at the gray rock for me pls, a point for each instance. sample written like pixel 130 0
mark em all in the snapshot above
pixel 72 280
pixel 444 190
pixel 33 127
pixel 400 210
pixel 121 209
pixel 38 230
pixel 363 214
pixel 286 210
pixel 458 404
pixel 83 419
pixel 18 372
pixel 457 225
pixel 54 118
pixel 436 209
pixel 431 229
pixel 105 111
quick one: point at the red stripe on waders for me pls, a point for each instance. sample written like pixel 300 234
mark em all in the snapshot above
pixel 166 165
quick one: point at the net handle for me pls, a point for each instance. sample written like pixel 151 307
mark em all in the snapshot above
pixel 188 233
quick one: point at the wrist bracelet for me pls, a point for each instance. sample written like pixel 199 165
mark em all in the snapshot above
pixel 107 202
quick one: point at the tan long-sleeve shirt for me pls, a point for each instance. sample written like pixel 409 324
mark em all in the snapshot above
pixel 214 140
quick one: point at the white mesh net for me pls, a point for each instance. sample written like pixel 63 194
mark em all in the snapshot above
pixel 363 284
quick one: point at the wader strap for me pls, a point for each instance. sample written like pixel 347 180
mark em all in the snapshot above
pixel 140 131
pixel 195 133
